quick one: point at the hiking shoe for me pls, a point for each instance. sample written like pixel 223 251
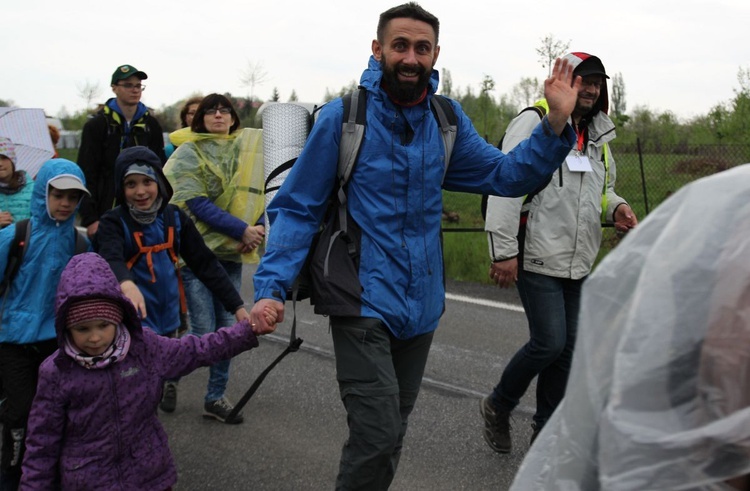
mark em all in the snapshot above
pixel 169 397
pixel 535 429
pixel 496 426
pixel 220 409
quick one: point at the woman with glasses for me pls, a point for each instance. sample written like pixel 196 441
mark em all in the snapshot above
pixel 217 176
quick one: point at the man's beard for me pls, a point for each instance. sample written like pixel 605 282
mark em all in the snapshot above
pixel 404 91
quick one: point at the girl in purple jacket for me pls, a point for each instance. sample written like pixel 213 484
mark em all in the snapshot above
pixel 94 424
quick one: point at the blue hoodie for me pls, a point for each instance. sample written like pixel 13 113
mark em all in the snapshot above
pixel 28 313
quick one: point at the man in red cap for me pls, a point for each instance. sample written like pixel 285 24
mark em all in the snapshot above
pixel 546 243
pixel 123 122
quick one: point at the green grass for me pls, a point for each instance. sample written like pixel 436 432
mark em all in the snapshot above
pixel 466 253
pixel 68 153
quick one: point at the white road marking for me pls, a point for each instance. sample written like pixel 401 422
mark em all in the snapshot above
pixel 483 302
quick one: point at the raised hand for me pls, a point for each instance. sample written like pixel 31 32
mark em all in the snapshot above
pixel 561 92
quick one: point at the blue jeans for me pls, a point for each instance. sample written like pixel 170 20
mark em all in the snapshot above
pixel 207 314
pixel 551 305
pixel 379 377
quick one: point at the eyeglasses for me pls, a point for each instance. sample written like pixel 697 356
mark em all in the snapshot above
pixel 221 110
pixel 128 86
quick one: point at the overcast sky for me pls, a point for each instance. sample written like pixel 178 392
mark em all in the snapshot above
pixel 681 56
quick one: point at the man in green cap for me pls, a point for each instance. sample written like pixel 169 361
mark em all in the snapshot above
pixel 123 122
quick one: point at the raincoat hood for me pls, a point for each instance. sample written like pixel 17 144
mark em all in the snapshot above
pixel 50 170
pixel 88 276
pixel 373 74
pixel 144 156
pixel 659 391
pixel 580 59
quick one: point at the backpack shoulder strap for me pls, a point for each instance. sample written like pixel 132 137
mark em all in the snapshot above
pixel 448 122
pixel 352 132
pixel 15 257
pixel 17 250
pixel 171 213
pixel 81 243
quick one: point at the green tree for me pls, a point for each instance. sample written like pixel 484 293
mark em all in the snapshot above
pixel 293 96
pixel 329 96
pixel 487 104
pixel 447 83
pixel 275 97
pixel 618 104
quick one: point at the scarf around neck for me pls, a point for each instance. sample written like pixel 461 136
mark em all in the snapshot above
pixel 114 353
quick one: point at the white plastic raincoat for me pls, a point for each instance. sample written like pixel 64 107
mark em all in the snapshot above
pixel 659 392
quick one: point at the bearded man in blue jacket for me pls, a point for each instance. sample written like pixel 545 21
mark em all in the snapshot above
pixel 382 330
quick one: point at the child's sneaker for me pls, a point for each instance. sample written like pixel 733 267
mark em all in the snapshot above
pixel 169 398
pixel 220 409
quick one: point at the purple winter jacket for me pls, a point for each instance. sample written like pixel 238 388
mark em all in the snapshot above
pixel 98 429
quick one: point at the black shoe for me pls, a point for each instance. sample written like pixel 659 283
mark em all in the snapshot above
pixel 496 426
pixel 220 410
pixel 535 429
pixel 169 397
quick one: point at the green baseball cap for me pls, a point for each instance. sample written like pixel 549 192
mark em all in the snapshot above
pixel 124 71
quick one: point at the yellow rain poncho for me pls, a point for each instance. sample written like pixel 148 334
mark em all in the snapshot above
pixel 228 170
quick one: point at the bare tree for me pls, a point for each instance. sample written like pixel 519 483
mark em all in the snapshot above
pixel 526 91
pixel 550 50
pixel 253 75
pixel 88 91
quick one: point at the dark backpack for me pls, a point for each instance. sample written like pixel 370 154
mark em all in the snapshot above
pixel 541 111
pixel 335 225
pixel 17 252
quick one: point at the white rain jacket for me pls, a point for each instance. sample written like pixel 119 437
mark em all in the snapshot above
pixel 563 231
pixel 658 396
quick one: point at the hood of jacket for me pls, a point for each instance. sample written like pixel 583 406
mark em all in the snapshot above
pixel 88 276
pixel 602 104
pixel 373 74
pixel 143 156
pixel 139 112
pixel 51 169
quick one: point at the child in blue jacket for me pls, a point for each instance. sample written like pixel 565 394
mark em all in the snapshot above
pixel 27 328
pixel 141 239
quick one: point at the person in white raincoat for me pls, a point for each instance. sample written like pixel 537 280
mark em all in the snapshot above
pixel 659 392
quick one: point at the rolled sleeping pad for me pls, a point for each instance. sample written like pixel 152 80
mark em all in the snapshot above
pixel 285 129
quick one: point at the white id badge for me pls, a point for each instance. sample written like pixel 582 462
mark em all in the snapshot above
pixel 578 163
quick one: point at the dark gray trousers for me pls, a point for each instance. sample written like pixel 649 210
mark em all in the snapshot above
pixel 379 377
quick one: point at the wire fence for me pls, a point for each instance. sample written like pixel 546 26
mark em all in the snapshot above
pixel 644 178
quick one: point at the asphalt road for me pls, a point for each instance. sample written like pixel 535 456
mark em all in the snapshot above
pixel 295 424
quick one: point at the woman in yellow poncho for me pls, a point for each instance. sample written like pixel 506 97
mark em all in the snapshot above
pixel 219 183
